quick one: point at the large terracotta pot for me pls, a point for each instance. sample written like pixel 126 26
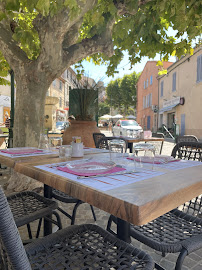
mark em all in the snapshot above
pixel 83 129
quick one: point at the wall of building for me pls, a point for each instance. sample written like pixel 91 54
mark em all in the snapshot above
pixel 146 90
pixel 188 88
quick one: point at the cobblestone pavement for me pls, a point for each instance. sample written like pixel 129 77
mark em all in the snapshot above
pixel 84 215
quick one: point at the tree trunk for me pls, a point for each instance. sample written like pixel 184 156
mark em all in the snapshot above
pixel 28 120
pixel 29 108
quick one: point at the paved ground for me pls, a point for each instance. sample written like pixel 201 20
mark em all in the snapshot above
pixel 84 215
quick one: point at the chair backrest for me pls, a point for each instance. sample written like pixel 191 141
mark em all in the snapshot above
pixel 97 137
pixel 186 138
pixel 11 246
pixel 190 151
pixel 118 144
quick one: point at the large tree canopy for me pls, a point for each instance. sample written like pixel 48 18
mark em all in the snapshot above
pixel 39 39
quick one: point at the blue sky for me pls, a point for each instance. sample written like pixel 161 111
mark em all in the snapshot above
pixel 99 72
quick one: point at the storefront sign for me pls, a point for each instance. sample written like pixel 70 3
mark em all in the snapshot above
pixel 171 102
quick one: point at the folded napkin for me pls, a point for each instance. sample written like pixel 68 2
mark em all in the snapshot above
pixel 157 159
pixel 113 170
pixel 22 152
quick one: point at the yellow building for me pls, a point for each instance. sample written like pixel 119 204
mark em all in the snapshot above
pixel 180 95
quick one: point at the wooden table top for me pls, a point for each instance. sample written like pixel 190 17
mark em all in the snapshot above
pixel 137 203
pixel 152 139
pixel 10 162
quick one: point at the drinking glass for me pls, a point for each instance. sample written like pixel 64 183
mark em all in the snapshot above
pixel 43 142
pixel 55 141
pixel 65 151
pixel 144 154
pixel 116 149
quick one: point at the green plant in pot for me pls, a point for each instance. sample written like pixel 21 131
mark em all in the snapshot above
pixel 83 104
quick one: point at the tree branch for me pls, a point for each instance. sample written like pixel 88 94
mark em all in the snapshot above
pixel 72 35
pixel 10 48
pixel 97 44
pixel 60 24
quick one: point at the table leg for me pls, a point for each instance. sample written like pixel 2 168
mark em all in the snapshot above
pixel 130 146
pixel 47 224
pixel 161 147
pixel 123 230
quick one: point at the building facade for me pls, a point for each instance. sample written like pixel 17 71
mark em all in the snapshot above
pixel 147 96
pixel 180 95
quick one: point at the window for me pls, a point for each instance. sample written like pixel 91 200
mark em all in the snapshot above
pixel 199 69
pixel 174 82
pixel 60 87
pixel 151 80
pixel 144 84
pixel 60 102
pixel 54 83
pixel 144 105
pixel 162 83
pixel 147 83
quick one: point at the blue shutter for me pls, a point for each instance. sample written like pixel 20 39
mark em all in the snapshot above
pixel 174 82
pixel 162 89
pixel 148 122
pixel 182 124
pixel 199 68
pixel 151 80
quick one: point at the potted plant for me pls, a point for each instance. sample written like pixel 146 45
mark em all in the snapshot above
pixel 83 105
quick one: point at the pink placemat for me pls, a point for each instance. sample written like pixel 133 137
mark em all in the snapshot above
pixel 157 159
pixel 21 152
pixel 113 170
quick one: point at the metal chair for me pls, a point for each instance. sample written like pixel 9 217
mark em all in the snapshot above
pixel 28 206
pixel 158 145
pixel 63 197
pixel 117 144
pixel 76 247
pixel 179 230
pixel 97 137
pixel 186 138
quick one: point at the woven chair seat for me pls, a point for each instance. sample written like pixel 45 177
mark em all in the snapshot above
pixel 63 197
pixel 85 247
pixel 176 227
pixel 28 206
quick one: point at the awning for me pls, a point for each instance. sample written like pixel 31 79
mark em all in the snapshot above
pixel 168 108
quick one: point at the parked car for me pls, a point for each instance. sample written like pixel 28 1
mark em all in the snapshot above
pixel 61 126
pixel 129 128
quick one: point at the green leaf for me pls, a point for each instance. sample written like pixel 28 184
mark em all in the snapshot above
pixel 43 7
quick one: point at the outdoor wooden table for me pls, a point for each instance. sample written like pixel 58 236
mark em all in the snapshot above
pixel 131 140
pixel 136 203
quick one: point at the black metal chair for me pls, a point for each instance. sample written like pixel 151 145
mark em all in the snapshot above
pixel 76 247
pixel 158 145
pixel 63 197
pixel 186 138
pixel 28 206
pixel 117 144
pixel 97 137
pixel 179 230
